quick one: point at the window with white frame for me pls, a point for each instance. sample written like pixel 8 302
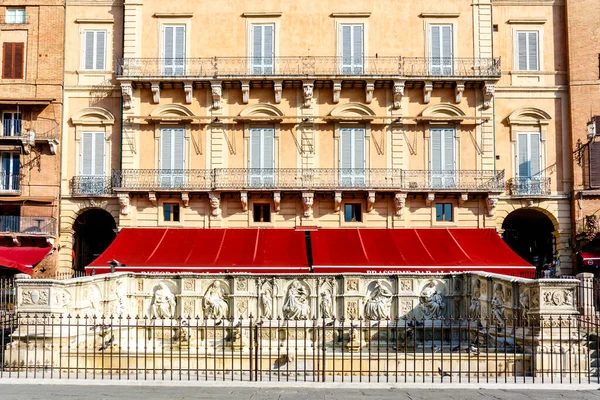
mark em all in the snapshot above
pixel 172 157
pixel 11 123
pixel 443 159
pixel 529 157
pixel 352 48
pixel 94 50
pixel 441 49
pixel 10 173
pixel 263 48
pixel 261 158
pixel 352 157
pixel 15 16
pixel 528 57
pixel 92 162
pixel 173 51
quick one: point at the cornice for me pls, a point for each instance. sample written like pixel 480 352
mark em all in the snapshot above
pixel 94 21
pixel 262 14
pixel 439 15
pixel 183 14
pixel 358 14
pixel 528 21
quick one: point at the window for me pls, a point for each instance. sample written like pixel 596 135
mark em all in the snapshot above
pixel 10 171
pixel 92 162
pixel 352 39
pixel 94 51
pixel 11 124
pixel 352 157
pixel 10 217
pixel 442 162
pixel 172 159
pixel 15 16
pixel 262 212
pixel 529 157
pixel 261 159
pixel 352 212
pixel 174 50
pixel 12 60
pixel 441 52
pixel 443 212
pixel 171 212
pixel 263 49
pixel 528 51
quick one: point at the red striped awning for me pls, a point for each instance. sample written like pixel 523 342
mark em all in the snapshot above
pixel 22 258
pixel 590 259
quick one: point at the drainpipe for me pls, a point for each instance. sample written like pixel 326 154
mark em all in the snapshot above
pixel 62 156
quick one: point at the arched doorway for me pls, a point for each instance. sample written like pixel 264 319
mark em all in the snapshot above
pixel 94 232
pixel 529 233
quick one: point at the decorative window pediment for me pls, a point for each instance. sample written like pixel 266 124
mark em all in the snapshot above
pixel 529 116
pixel 93 116
pixel 171 112
pixel 352 112
pixel 261 112
pixel 443 112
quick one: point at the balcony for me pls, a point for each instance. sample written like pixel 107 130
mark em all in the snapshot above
pixel 529 187
pixel 306 67
pixel 25 226
pixel 10 183
pixel 319 179
pixel 29 132
pixel 90 185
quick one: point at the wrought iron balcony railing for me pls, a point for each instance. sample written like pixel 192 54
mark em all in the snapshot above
pixel 309 66
pixel 29 130
pixel 309 179
pixel 91 185
pixel 10 183
pixel 27 225
pixel 530 186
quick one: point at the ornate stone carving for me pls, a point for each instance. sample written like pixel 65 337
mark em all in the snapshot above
pixel 188 88
pixel 429 199
pixel 155 87
pixel 399 203
pixel 188 308
pixel 217 92
pixel 369 89
pixel 497 304
pixel 406 307
pixel 491 203
pixel 337 201
pixel 241 284
pixel 337 91
pixel 244 200
pixel 370 201
pixel 266 302
pixel 558 298
pixel 278 88
pixel 34 296
pixel 140 285
pixel 119 306
pixel 352 284
pixel 352 309
pixel 463 198
pixel 307 92
pixel 296 304
pixel 215 302
pixel 524 304
pixel 307 203
pixel 406 285
pixel 398 93
pixel 378 302
pixel 214 199
pixel 124 203
pixel 152 198
pixel 489 90
pixel 163 302
pixel 475 307
pixel 189 285
pixel 127 94
pixel 241 307
pixel 326 304
pixel 277 201
pixel 245 92
pixel 427 90
pixel 459 89
pixel 62 298
pixel 431 301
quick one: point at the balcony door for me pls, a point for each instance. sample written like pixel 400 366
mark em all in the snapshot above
pixel 441 54
pixel 263 49
pixel 92 162
pixel 173 54
pixel 529 160
pixel 352 46
pixel 11 124
pixel 10 171
pixel 172 159
pixel 261 159
pixel 443 161
pixel 352 157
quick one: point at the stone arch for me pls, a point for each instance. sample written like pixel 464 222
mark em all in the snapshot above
pixel 443 110
pixel 94 229
pixel 91 204
pixel 261 110
pixel 171 110
pixel 93 116
pixel 529 116
pixel 350 110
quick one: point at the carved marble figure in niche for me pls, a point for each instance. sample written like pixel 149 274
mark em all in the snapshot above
pixel 215 302
pixel 119 306
pixel 431 301
pixel 296 302
pixel 325 306
pixel 163 302
pixel 266 301
pixel 379 302
pixel 475 307
pixel 524 303
pixel 498 304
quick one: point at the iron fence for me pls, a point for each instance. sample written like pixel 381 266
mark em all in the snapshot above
pixel 27 225
pixel 90 185
pixel 307 66
pixel 163 179
pixel 545 350
pixel 529 186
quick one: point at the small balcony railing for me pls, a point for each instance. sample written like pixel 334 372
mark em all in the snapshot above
pixel 29 130
pixel 529 186
pixel 27 225
pixel 309 66
pixel 10 183
pixel 91 185
pixel 163 179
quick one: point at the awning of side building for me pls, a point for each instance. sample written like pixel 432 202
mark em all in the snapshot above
pixel 22 258
pixel 206 251
pixel 590 259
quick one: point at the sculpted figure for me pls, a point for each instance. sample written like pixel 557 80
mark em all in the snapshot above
pixel 163 302
pixel 498 304
pixel 266 299
pixel 524 302
pixel 379 302
pixel 296 302
pixel 432 301
pixel 475 307
pixel 326 304
pixel 215 303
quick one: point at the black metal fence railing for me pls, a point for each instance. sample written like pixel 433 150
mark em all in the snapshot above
pixel 534 186
pixel 91 185
pixel 27 225
pixel 545 350
pixel 307 66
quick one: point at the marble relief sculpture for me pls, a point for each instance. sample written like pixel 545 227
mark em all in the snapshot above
pixel 266 301
pixel 432 303
pixel 378 304
pixel 326 304
pixel 296 305
pixel 498 304
pixel 163 302
pixel 215 302
pixel 475 307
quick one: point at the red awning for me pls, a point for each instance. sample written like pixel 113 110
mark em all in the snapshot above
pixel 22 258
pixel 206 251
pixel 590 259
pixel 414 250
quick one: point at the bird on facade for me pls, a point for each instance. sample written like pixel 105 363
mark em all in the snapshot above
pixel 442 373
pixel 283 360
pixel 107 343
pixel 218 322
pixel 375 324
pixel 332 323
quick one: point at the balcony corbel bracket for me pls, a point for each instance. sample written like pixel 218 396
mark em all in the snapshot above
pixel 152 198
pixel 370 201
pixel 398 92
pixel 489 91
pixel 491 203
pixel 124 203
pixel 307 202
pixel 185 199
pixel 50 241
pixel 307 92
pixel 278 88
pixel 155 87
pixel 244 200
pixel 16 240
pixel 429 199
pixel 458 91
pixel 337 91
pixel 463 199
pixel 188 88
pixel 277 201
pixel 217 92
pixel 337 199
pixel 400 203
pixel 214 199
pixel 369 89
pixel 127 93
pixel 53 145
pixel 245 92
pixel 427 90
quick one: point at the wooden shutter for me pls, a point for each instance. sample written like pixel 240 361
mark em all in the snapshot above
pixel 98 153
pixel 523 156
pixel 535 154
pixel 359 149
pixel 346 149
pixel 12 60
pixel 257 48
pixel 594 165
pixel 528 51
pixel 446 46
pixel 263 48
pixel 261 159
pixel 357 48
pixel 436 150
pixel 178 149
pixel 87 146
pixel 166 149
pixel 522 50
pixel 448 150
